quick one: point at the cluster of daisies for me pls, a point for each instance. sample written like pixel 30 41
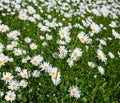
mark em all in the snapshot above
pixel 54 19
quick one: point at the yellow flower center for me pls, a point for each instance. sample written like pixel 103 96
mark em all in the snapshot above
pixel 30 11
pixel 76 53
pixel 73 92
pixel 25 75
pixel 2 28
pixel 14 85
pixel 62 51
pixel 62 33
pixel 100 56
pixel 93 29
pixel 33 46
pixel 7 78
pixel 35 62
pixel 49 25
pixel 53 73
pixel 23 17
pixel 23 83
pixel 10 96
pixel 17 52
pixel 45 67
pixel 1 62
pixel 82 39
pixel 13 35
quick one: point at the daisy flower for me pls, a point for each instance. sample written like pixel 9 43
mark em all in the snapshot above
pixel 7 77
pixel 10 96
pixel 56 80
pixel 53 72
pixel 13 85
pixel 62 51
pixel 36 60
pixel 95 28
pixel 91 64
pixel 24 74
pixel 74 92
pixel 63 32
pixel 3 28
pixel 9 47
pixel 111 55
pixel 101 55
pixel 23 16
pixel 1 47
pixel 82 37
pixel 115 34
pixel 23 83
pixel 101 69
pixel 17 51
pixel 33 46
pixel 31 10
pixel 70 62
pixel 77 52
pixel 3 59
pixel 27 40
pixel 36 73
pixel 45 66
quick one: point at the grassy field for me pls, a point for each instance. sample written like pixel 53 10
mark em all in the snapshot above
pixel 59 51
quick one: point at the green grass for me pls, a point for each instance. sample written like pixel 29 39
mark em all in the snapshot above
pixel 103 89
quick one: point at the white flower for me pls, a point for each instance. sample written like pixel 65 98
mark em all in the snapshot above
pixel 113 24
pixel 70 62
pixel 115 34
pixel 56 80
pixel 1 47
pixel 13 35
pixel 18 69
pixel 53 72
pixel 104 10
pixel 33 46
pixel 3 59
pixel 31 10
pixel 7 77
pixel 67 39
pixel 23 16
pixel 62 51
pixel 101 55
pixel 41 37
pixel 74 92
pixel 82 37
pixel 95 28
pixel 46 66
pixel 10 47
pixel 111 55
pixel 36 73
pixel 36 16
pixel 14 43
pixel 10 96
pixel 3 28
pixel 13 85
pixel 36 60
pixel 24 74
pixel 17 51
pixel 23 83
pixel 27 40
pixel 63 32
pixel 91 64
pixel 48 37
pixel 77 52
pixel 103 42
pixel 1 93
pixel 101 69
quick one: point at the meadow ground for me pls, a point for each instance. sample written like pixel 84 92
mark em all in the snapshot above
pixel 60 51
